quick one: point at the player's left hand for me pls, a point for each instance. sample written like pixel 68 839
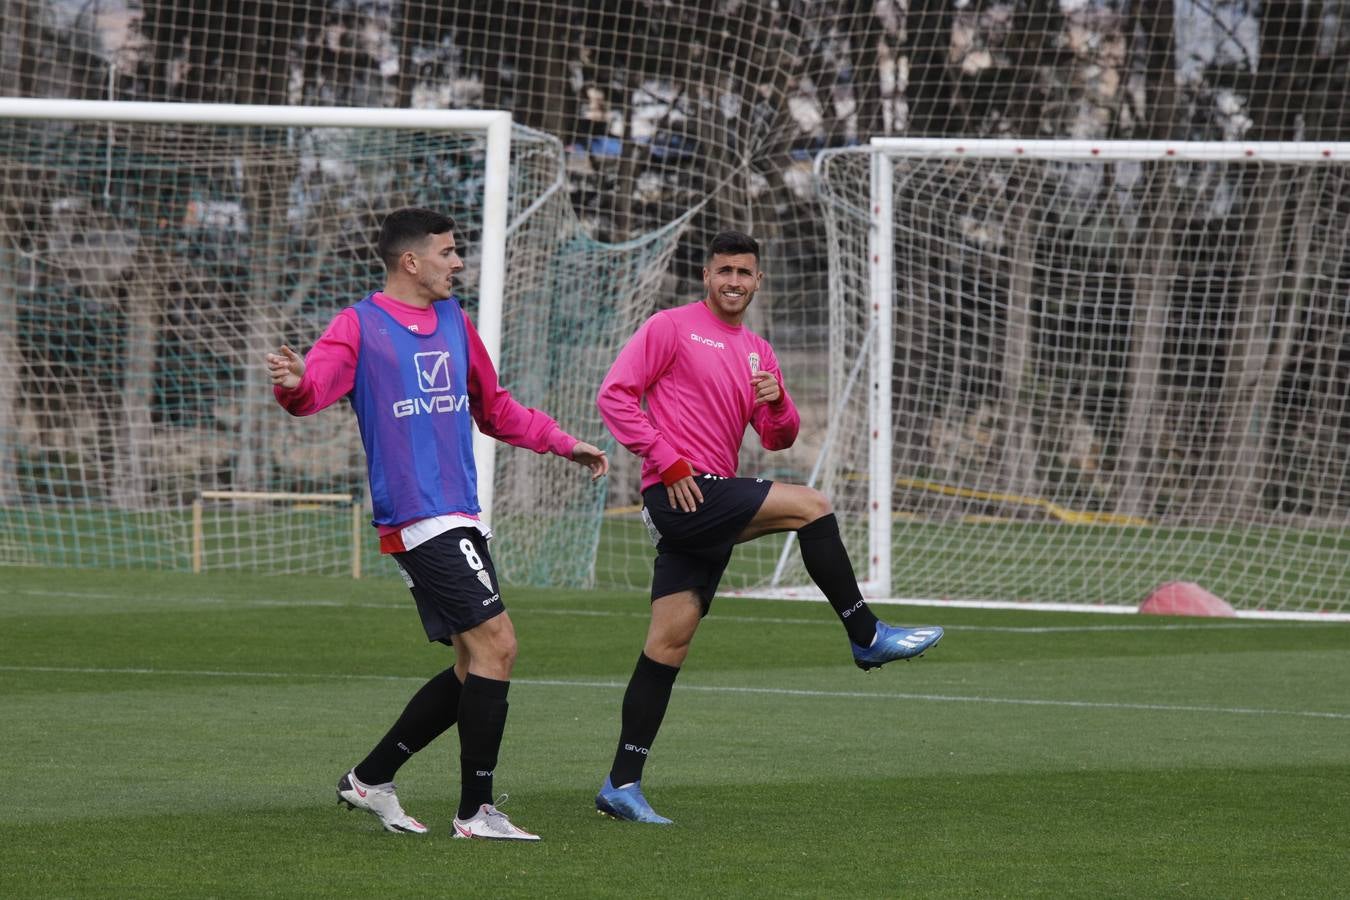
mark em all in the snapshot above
pixel 765 387
pixel 593 458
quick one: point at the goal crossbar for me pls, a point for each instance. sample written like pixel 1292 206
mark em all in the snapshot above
pixel 878 284
pixel 1004 148
pixel 494 124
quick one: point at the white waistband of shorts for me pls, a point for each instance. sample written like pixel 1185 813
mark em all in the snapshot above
pixel 424 530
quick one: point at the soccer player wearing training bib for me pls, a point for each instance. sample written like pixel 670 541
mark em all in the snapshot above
pixel 704 377
pixel 415 371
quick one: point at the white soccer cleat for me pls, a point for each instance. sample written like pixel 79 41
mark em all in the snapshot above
pixel 491 824
pixel 380 801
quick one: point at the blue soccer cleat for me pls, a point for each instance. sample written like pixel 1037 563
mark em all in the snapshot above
pixel 627 804
pixel 895 643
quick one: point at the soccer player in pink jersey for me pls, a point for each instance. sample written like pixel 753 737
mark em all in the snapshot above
pixel 417 376
pixel 704 377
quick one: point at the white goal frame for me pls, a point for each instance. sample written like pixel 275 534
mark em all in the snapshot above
pixel 877 583
pixel 495 125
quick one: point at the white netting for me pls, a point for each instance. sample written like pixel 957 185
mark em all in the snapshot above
pixel 1108 374
pixel 153 264
pixel 676 117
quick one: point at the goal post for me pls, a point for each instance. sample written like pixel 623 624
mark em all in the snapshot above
pixel 155 252
pixel 1096 367
pixel 495 125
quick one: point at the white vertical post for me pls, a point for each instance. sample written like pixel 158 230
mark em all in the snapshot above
pixel 492 284
pixel 496 123
pixel 881 256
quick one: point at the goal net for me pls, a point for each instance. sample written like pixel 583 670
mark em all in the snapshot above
pixel 1091 369
pixel 151 263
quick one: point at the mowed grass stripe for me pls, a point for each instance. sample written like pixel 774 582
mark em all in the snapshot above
pixel 893 611
pixel 198 746
pixel 582 605
pixel 233 725
pixel 712 689
pixel 1104 833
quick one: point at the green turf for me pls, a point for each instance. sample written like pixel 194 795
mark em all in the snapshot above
pixel 172 736
pixel 1253 567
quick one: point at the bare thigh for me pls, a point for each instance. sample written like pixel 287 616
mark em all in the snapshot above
pixel 787 507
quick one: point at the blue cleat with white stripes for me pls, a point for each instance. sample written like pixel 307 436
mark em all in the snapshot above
pixel 893 643
pixel 627 804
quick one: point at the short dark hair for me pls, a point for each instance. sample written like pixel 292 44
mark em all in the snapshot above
pixel 733 243
pixel 405 227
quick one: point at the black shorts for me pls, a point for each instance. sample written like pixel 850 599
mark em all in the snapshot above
pixel 452 579
pixel 693 549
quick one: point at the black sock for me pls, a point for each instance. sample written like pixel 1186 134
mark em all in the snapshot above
pixel 644 706
pixel 482 721
pixel 428 714
pixel 827 563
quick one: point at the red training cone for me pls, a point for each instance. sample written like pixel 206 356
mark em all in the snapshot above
pixel 1184 598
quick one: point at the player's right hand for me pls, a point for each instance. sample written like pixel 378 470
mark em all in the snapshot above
pixel 285 367
pixel 593 458
pixel 684 494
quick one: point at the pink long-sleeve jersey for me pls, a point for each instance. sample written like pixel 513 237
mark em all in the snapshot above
pixel 330 374
pixel 694 373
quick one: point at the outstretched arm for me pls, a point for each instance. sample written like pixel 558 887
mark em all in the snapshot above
pixel 305 385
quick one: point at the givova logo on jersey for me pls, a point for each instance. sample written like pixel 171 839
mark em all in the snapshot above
pixel 433 379
pixel 707 342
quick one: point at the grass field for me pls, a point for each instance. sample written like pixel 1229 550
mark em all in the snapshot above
pixel 172 736
pixel 1253 567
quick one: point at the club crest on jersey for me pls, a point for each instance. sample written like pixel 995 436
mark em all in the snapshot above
pixel 485 579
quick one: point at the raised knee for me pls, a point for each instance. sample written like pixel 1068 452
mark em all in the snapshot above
pixel 817 506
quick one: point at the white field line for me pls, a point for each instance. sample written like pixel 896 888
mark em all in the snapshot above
pixel 644 614
pixel 790 594
pixel 708 689
pixel 1007 629
pixel 809 594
